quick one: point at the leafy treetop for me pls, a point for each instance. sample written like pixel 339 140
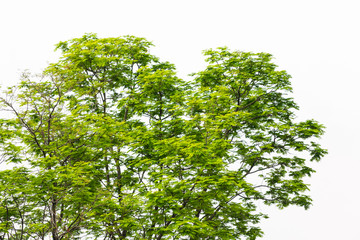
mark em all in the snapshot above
pixel 108 143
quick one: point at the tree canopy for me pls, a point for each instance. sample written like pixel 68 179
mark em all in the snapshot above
pixel 108 143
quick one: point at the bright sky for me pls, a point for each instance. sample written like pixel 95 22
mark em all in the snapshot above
pixel 316 41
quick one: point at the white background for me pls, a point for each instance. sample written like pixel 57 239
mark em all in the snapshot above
pixel 316 41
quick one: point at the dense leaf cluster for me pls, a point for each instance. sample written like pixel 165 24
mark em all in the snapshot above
pixel 108 143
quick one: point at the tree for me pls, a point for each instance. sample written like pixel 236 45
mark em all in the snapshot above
pixel 108 143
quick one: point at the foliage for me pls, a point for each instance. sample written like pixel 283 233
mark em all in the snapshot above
pixel 108 143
